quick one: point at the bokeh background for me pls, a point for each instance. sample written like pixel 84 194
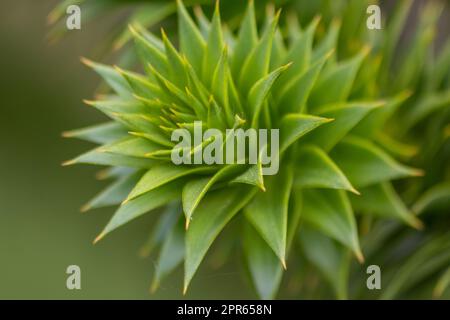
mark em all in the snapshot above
pixel 41 228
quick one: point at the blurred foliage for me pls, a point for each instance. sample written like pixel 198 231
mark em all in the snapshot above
pixel 405 61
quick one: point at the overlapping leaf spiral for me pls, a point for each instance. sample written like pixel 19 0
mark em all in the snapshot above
pixel 257 78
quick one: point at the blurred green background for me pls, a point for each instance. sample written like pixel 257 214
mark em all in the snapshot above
pixel 41 228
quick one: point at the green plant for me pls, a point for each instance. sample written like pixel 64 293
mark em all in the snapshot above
pixel 420 124
pixel 147 13
pixel 329 126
